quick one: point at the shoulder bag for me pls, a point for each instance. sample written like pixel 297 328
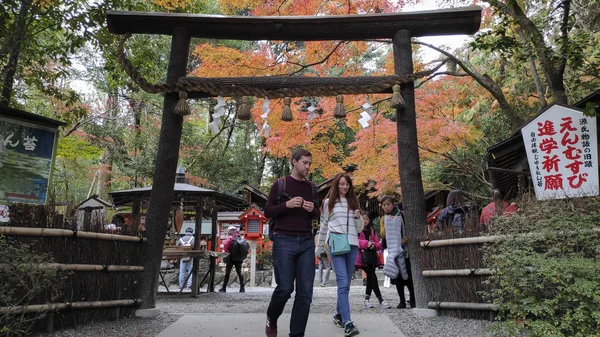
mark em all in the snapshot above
pixel 339 241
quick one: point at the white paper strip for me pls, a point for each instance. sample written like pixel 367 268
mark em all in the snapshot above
pixel 214 125
pixel 220 102
pixel 307 128
pixel 366 116
pixel 311 111
pixel 363 122
pixel 367 106
pixel 220 111
pixel 265 107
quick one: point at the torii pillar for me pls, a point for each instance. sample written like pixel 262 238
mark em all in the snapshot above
pixel 409 165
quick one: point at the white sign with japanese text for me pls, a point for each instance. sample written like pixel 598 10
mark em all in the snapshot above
pixel 562 151
pixel 4 213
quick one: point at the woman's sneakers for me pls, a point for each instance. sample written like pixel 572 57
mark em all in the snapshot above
pixel 384 305
pixel 350 330
pixel 368 304
pixel 337 320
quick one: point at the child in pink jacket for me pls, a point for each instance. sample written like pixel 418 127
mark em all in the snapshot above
pixel 368 242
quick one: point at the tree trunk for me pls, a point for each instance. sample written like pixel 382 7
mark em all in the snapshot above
pixel 105 175
pixel 554 73
pixel 261 169
pixel 161 198
pixel 8 73
pixel 534 72
pixel 411 183
pixel 106 162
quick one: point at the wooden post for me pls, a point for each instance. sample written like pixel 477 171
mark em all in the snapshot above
pixel 413 198
pixel 213 262
pixel 135 214
pixel 252 263
pixel 50 323
pixel 87 219
pixel 196 261
pixel 167 156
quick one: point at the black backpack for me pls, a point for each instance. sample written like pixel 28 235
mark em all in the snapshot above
pixel 458 219
pixel 239 249
pixel 281 195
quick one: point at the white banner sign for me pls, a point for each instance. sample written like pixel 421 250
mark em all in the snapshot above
pixel 4 213
pixel 562 151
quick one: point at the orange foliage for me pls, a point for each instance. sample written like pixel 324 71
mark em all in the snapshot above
pixel 376 154
pixel 441 103
pixel 171 5
pixel 197 181
pixel 441 127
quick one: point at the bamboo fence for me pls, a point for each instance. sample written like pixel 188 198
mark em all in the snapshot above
pixel 45 232
pixel 74 267
pixel 451 264
pixel 100 273
pixel 25 309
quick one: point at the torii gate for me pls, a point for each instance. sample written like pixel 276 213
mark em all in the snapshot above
pixel 400 27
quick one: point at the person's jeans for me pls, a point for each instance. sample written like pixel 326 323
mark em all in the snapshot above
pixel 184 269
pixel 343 266
pixel 324 269
pixel 293 259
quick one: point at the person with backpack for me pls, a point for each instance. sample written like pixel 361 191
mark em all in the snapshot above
pixel 454 215
pixel 237 247
pixel 292 206
pixel 397 263
pixel 341 221
pixel 185 263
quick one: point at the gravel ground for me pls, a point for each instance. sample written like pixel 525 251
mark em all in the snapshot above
pixel 256 300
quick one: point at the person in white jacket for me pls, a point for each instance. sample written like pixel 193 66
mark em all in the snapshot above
pixel 341 215
pixel 397 263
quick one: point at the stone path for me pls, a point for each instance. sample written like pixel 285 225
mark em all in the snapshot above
pixel 252 325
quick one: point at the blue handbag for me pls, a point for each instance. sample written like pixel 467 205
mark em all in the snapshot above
pixel 338 242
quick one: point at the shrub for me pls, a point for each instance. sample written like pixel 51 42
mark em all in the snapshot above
pixel 23 283
pixel 548 274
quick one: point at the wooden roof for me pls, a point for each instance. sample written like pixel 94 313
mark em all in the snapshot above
pixel 30 117
pixel 186 193
pixel 452 21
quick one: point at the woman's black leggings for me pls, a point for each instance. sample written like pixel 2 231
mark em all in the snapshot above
pixel 372 282
pixel 400 283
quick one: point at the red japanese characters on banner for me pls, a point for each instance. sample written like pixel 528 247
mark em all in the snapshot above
pixel 562 151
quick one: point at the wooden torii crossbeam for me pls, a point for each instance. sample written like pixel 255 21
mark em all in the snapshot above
pixel 462 20
pixel 400 27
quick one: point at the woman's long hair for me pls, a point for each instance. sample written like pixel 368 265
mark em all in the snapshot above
pixel 498 202
pixel 334 193
pixel 455 198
